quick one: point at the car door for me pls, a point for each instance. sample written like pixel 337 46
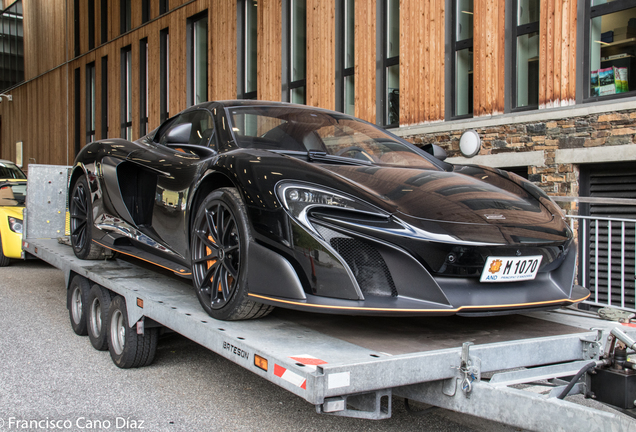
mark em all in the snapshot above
pixel 173 160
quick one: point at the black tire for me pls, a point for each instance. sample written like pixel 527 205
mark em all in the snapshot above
pixel 97 307
pixel 4 260
pixel 76 301
pixel 81 222
pixel 220 238
pixel 127 348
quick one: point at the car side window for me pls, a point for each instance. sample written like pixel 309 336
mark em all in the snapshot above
pixel 193 127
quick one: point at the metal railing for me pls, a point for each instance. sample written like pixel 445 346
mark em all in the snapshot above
pixel 607 262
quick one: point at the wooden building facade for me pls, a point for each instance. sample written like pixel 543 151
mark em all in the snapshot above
pixel 112 68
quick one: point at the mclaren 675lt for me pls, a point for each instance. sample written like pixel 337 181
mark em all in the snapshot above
pixel 266 204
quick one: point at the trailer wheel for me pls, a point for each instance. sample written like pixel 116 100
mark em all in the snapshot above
pixel 77 299
pixel 220 238
pixel 127 348
pixel 81 222
pixel 97 312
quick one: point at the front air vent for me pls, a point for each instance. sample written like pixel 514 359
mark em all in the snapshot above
pixel 364 260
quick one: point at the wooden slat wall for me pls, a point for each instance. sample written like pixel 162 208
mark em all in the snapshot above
pixel 321 53
pixel 557 53
pixel 42 35
pixel 222 49
pixel 269 58
pixel 488 57
pixel 421 61
pixel 364 59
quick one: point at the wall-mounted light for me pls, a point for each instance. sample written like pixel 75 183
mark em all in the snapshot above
pixel 470 143
pixel 8 96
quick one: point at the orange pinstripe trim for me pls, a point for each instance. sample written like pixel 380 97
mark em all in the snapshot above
pixel 140 258
pixel 416 310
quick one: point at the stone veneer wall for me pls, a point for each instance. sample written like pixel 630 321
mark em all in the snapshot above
pixel 594 130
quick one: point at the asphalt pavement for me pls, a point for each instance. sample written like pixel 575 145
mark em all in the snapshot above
pixel 51 379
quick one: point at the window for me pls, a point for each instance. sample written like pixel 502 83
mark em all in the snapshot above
pixel 125 16
pixel 163 6
pixel 12 46
pixel 143 87
pixel 294 81
pixel 463 58
pixel 145 11
pixel 91 24
pixel 247 48
pixel 164 75
pixel 345 48
pixel 104 20
pixel 78 117
pixel 90 102
pixel 526 49
pixel 104 97
pixel 392 63
pixel 198 59
pixel 612 48
pixel 76 27
pixel 126 93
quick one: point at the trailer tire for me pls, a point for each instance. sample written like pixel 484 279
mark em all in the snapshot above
pixel 127 348
pixel 77 299
pixel 81 222
pixel 220 237
pixel 98 305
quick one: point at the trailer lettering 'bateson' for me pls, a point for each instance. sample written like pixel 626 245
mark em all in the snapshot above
pixel 352 366
pixel 236 350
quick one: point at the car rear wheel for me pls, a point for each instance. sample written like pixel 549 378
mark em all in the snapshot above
pixel 81 222
pixel 77 300
pixel 4 260
pixel 220 237
pixel 97 311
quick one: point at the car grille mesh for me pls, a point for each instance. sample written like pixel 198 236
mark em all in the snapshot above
pixel 364 260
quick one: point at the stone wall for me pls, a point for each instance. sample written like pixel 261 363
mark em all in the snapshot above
pixel 594 130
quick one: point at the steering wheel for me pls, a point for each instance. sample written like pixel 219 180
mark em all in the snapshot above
pixel 357 150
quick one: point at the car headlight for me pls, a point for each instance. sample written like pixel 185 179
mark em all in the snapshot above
pixel 15 225
pixel 299 199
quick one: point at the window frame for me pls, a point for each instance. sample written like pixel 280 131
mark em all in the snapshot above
pixel 125 16
pixel 590 13
pixel 342 71
pixel 517 31
pixel 143 86
pixel 104 85
pixel 382 114
pixel 90 100
pixel 164 74
pixel 241 58
pixel 288 53
pixel 104 20
pixel 126 93
pixel 192 78
pixel 457 46
pixel 91 24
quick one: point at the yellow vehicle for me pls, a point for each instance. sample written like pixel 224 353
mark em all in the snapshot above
pixel 12 199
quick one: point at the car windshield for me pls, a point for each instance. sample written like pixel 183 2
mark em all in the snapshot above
pixel 10 171
pixel 293 129
pixel 13 194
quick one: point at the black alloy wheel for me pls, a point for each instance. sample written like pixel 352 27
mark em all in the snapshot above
pixel 220 238
pixel 81 219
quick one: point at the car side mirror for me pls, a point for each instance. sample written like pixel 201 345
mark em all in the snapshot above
pixel 179 134
pixel 436 151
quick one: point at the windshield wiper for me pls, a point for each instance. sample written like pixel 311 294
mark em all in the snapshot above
pixel 320 156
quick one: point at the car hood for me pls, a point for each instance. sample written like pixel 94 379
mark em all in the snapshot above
pixel 469 194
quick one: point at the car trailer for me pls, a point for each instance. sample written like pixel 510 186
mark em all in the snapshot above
pixel 489 367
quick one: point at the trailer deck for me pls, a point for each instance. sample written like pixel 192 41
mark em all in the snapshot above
pixel 353 366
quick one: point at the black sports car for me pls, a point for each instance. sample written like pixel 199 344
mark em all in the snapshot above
pixel 270 204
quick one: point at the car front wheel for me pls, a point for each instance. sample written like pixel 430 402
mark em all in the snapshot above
pixel 81 222
pixel 220 238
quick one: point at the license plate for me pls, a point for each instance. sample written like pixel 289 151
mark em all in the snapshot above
pixel 510 269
